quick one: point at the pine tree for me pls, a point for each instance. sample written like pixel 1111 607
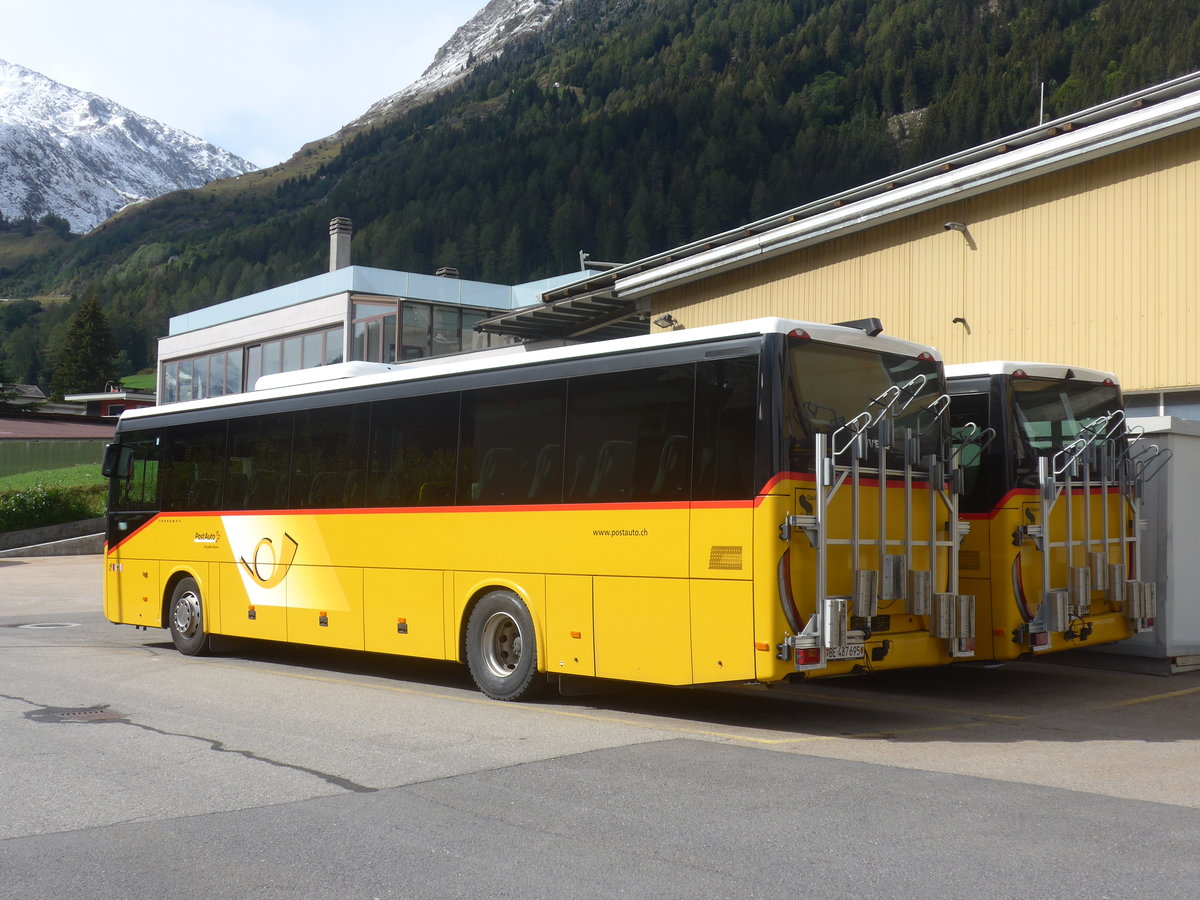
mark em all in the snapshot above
pixel 85 363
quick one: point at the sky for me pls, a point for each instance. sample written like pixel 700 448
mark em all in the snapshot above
pixel 259 78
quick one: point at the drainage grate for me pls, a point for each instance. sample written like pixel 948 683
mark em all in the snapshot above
pixel 86 714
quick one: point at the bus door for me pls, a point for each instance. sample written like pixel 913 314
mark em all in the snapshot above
pixel 131 585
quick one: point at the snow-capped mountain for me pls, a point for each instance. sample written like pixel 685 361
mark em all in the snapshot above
pixel 83 157
pixel 482 38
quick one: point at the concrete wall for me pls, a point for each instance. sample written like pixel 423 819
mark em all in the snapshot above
pixel 66 539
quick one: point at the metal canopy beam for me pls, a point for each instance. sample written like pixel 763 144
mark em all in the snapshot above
pixel 595 316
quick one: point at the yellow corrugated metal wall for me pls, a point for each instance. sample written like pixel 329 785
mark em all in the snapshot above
pixel 1095 265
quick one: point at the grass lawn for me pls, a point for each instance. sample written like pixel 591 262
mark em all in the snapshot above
pixel 139 382
pixel 75 476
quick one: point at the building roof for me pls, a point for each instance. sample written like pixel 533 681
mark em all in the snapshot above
pixel 45 428
pixel 367 280
pixel 24 393
pixel 620 294
pixel 128 396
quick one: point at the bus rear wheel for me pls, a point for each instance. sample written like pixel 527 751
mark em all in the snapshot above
pixel 185 614
pixel 502 648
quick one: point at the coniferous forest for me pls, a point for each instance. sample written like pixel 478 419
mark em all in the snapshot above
pixel 625 128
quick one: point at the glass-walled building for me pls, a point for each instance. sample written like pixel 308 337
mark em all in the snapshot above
pixel 351 313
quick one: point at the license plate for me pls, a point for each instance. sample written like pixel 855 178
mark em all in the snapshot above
pixel 850 651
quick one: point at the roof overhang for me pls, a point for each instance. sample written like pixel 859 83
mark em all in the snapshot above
pixel 111 395
pixel 590 316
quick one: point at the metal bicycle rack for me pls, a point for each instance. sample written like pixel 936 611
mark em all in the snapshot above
pixel 841 624
pixel 1127 470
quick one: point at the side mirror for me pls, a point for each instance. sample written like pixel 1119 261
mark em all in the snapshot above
pixel 118 461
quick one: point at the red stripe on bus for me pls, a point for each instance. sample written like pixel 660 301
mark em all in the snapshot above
pixel 809 478
pixel 1008 499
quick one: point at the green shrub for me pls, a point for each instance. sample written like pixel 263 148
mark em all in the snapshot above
pixel 40 505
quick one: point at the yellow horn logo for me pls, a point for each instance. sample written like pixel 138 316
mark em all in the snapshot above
pixel 265 567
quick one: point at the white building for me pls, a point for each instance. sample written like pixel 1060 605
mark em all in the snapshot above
pixel 349 313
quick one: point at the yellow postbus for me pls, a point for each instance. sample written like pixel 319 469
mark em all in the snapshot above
pixel 692 507
pixel 1052 490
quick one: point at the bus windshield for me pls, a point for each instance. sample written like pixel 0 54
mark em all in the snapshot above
pixel 831 384
pixel 1050 413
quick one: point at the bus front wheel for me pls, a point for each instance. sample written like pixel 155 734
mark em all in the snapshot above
pixel 186 617
pixel 502 648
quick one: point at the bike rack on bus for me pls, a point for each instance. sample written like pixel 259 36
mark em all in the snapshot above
pixel 840 625
pixel 1125 470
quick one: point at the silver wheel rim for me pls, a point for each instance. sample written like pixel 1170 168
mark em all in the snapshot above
pixel 501 644
pixel 186 614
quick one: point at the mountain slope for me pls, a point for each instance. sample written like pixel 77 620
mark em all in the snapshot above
pixel 620 128
pixel 83 157
pixel 481 39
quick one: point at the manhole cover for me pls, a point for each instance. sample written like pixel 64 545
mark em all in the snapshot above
pixel 66 714
pixel 49 625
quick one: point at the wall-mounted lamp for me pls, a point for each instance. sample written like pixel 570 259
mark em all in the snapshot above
pixel 955 226
pixel 666 321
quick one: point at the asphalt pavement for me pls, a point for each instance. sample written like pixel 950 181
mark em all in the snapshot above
pixel 278 771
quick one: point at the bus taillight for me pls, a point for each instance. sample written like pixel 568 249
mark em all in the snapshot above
pixel 808 656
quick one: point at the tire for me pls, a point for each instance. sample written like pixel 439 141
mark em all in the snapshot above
pixel 185 616
pixel 502 648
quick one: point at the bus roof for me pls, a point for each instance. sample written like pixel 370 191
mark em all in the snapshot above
pixel 347 375
pixel 1032 369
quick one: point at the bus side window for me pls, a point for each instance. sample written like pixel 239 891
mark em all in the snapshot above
pixel 193 467
pixel 330 443
pixel 967 410
pixel 139 491
pixel 511 442
pixel 260 452
pixel 414 442
pixel 629 435
pixel 726 424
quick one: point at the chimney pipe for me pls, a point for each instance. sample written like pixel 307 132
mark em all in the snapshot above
pixel 340 230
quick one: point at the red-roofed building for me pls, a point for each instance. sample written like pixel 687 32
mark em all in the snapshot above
pixel 111 403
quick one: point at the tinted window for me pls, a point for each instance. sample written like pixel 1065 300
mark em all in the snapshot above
pixel 984 469
pixel 512 444
pixel 193 465
pixel 830 385
pixel 329 457
pixel 259 460
pixel 726 424
pixel 414 444
pixel 140 490
pixel 1050 414
pixel 629 436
